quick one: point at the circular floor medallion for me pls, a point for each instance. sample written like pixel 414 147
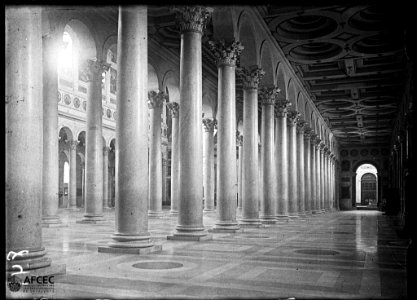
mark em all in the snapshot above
pixel 317 252
pixel 157 265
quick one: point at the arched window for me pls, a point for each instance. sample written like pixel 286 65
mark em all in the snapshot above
pixel 66 172
pixel 65 62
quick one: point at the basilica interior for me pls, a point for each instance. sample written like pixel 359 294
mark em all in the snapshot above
pixel 210 151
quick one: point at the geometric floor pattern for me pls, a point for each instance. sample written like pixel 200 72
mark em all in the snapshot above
pixel 350 254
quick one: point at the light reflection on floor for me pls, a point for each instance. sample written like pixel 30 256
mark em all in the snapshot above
pixel 336 255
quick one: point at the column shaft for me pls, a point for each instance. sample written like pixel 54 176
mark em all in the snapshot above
pixel 106 203
pixel 300 168
pixel 313 175
pixel 72 191
pixel 318 180
pixel 208 176
pixel 50 132
pixel 24 133
pixel 174 109
pixel 240 168
pixel 281 162
pixel 322 189
pixel 131 233
pixel 292 167
pixel 307 173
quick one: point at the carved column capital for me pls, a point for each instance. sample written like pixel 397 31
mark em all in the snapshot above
pixel 174 109
pixel 301 126
pixel 209 124
pixel 268 95
pixel 292 117
pixel 72 144
pixel 106 150
pixel 239 139
pixel 226 54
pixel 192 18
pixel 156 99
pixel 282 106
pixel 93 69
pixel 251 76
pixel 321 146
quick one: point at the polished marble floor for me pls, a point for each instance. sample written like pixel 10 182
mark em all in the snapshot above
pixel 351 254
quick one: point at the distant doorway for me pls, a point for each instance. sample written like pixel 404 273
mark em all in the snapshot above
pixel 366 186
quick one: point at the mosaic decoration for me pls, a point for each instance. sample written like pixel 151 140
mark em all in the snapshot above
pixel 77 102
pixel 67 99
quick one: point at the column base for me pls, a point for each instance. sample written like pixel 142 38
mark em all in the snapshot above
pixel 155 214
pixel 173 212
pixel 268 219
pixel 52 221
pixel 252 223
pixel 282 218
pixel 87 219
pixel 130 244
pixel 184 233
pixel 293 216
pixel 231 227
pixel 208 210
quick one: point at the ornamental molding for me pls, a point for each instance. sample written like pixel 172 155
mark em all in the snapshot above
pixel 192 18
pixel 174 109
pixel 226 54
pixel 268 95
pixel 251 76
pixel 156 99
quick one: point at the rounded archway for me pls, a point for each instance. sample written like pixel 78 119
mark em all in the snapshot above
pixel 366 186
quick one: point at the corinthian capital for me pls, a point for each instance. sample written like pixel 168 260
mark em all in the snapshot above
pixel 73 144
pixel 268 95
pixel 209 124
pixel 307 132
pixel 251 77
pixel 226 53
pixel 192 18
pixel 292 117
pixel 301 126
pixel 93 69
pixel 156 99
pixel 174 109
pixel 282 107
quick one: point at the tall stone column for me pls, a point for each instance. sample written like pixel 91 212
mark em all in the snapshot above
pixel 318 176
pixel 292 165
pixel 24 150
pixel 239 142
pixel 155 102
pixel 132 175
pixel 313 173
pixel 326 181
pixel 208 155
pixel 322 191
pixel 50 132
pixel 83 184
pixel 72 190
pixel 307 171
pixel 175 183
pixel 192 21
pixel 300 168
pixel 226 54
pixel 281 159
pixel 331 182
pixel 268 97
pixel 250 173
pixel 92 74
pixel 106 177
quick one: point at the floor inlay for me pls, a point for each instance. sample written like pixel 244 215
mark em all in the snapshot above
pixel 157 265
pixel 317 252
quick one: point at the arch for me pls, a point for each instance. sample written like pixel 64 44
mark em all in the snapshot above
pixel 366 161
pixel 170 84
pixel 291 95
pixel 224 27
pixel 65 134
pixel 266 64
pixel 360 171
pixel 81 138
pixel 113 144
pixel 308 114
pixel 249 56
pixel 110 44
pixel 300 104
pixel 281 81
pixel 83 40
pixel 153 82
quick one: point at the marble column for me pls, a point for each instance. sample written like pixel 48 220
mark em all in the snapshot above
pixel 292 165
pixel 83 184
pixel 326 180
pixel 192 21
pixel 72 190
pixel 175 183
pixel 269 96
pixel 300 168
pixel 331 182
pixel 250 172
pixel 322 192
pixel 239 142
pixel 50 131
pixel 307 171
pixel 208 156
pixel 155 102
pixel 92 74
pixel 24 143
pixel 281 159
pixel 318 176
pixel 226 54
pixel 313 173
pixel 106 177
pixel 132 173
